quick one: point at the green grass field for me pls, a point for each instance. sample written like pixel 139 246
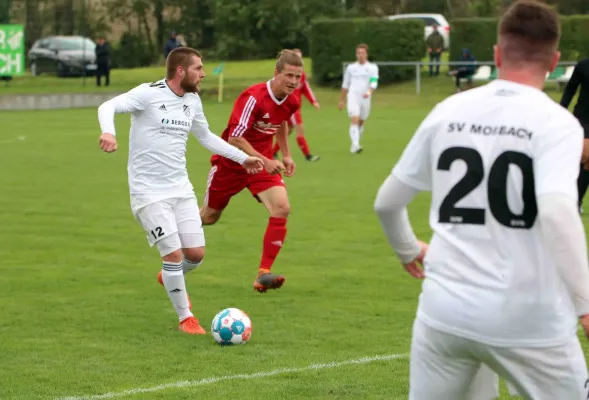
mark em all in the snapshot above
pixel 82 313
pixel 237 74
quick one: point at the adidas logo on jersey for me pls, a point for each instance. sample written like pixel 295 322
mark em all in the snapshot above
pixel 266 115
pixel 163 107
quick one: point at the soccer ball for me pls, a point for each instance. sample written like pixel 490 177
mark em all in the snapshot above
pixel 231 326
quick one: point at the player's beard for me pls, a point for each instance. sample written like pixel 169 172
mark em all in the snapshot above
pixel 190 86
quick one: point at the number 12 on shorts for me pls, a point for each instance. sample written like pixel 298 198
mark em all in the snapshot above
pixel 157 232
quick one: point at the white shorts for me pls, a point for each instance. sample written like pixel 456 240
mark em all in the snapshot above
pixel 172 224
pixel 485 385
pixel 443 367
pixel 358 107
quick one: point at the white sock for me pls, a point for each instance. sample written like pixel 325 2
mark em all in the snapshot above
pixel 188 265
pixel 361 128
pixel 355 135
pixel 173 277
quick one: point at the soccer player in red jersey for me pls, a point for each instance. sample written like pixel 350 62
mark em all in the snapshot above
pixel 296 121
pixel 259 113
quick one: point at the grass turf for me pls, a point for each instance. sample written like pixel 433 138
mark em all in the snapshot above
pixel 83 314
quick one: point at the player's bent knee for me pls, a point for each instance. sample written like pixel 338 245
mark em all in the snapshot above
pixel 281 210
pixel 170 247
pixel 175 256
pixel 209 216
pixel 194 254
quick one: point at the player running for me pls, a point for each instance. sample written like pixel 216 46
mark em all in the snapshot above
pixel 163 113
pixel 259 113
pixel 360 81
pixel 296 121
pixel 506 273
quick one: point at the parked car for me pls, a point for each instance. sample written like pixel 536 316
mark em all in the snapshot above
pixel 430 20
pixel 63 55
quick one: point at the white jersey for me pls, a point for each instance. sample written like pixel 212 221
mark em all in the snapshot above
pixel 486 155
pixel 160 124
pixel 357 77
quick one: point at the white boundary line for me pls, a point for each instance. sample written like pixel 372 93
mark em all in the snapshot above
pixel 215 379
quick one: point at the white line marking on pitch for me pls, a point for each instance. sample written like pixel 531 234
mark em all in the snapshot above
pixel 17 140
pixel 215 379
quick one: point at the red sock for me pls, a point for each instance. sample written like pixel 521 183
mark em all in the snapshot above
pixel 273 241
pixel 303 145
pixel 276 148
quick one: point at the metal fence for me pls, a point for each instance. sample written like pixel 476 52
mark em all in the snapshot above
pixel 418 65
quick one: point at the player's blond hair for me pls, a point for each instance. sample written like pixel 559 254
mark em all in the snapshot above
pixel 529 32
pixel 180 57
pixel 288 57
pixel 362 46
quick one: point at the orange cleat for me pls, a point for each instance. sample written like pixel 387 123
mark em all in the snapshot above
pixel 191 326
pixel 266 280
pixel 161 281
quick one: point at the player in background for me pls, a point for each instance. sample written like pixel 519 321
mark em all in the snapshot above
pixel 506 273
pixel 580 78
pixel 260 112
pixel 163 114
pixel 296 121
pixel 360 82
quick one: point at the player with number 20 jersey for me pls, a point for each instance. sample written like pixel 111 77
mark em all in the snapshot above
pixel 506 272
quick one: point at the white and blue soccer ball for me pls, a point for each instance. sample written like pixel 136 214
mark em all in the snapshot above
pixel 231 326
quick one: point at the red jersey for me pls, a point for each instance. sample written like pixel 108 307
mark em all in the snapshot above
pixel 304 89
pixel 257 115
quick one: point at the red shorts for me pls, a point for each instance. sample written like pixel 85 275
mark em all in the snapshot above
pixel 296 119
pixel 224 183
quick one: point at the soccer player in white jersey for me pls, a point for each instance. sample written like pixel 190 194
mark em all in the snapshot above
pixel 360 82
pixel 506 276
pixel 163 202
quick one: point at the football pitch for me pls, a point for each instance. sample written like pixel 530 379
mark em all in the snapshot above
pixel 83 316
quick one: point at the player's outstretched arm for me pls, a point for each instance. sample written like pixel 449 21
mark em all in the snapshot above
pixel 216 145
pixel 132 101
pixel 391 208
pixel 271 166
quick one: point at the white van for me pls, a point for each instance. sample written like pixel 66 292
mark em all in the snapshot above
pixel 430 20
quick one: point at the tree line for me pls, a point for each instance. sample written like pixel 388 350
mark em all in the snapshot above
pixel 227 29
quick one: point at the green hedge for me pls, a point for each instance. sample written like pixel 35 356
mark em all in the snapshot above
pixel 480 34
pixel 333 42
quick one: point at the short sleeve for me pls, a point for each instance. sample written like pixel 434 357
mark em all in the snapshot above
pixel 557 158
pixel 414 166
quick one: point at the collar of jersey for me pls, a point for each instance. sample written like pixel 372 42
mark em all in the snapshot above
pixel 514 85
pixel 279 102
pixel 170 89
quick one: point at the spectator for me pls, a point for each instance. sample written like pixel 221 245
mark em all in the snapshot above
pixel 102 51
pixel 465 71
pixel 171 44
pixel 435 46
